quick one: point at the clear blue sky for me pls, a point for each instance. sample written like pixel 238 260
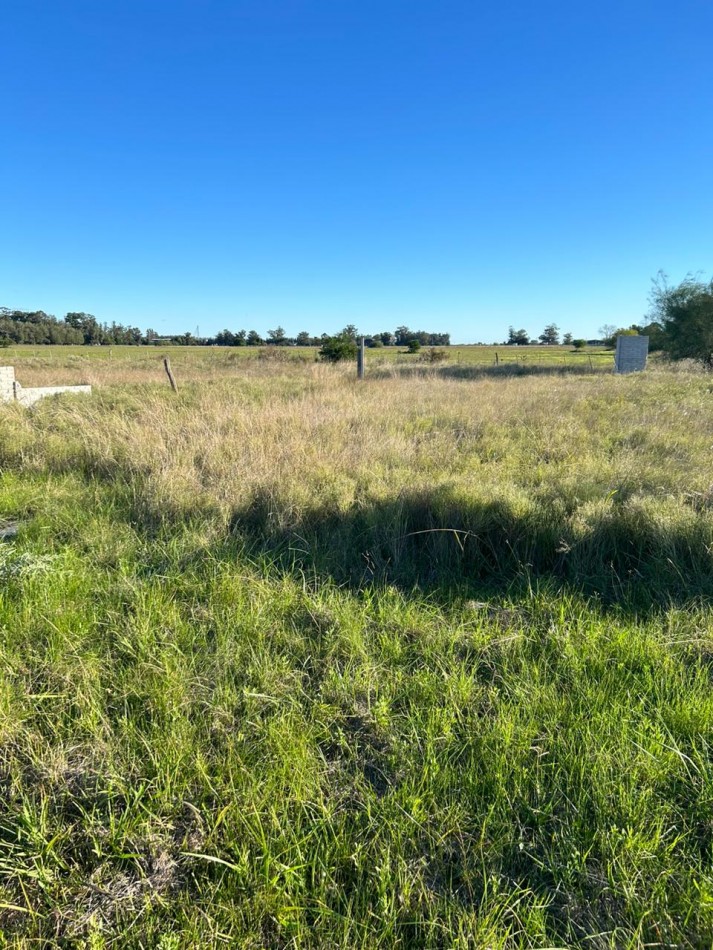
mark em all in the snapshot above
pixel 450 165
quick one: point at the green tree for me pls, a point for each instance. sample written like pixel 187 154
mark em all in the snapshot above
pixel 633 330
pixel 608 334
pixel 517 337
pixel 89 326
pixel 654 331
pixel 414 346
pixel 224 338
pixel 567 339
pixel 685 314
pixel 550 335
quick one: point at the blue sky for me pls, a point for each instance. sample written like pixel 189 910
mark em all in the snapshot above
pixel 450 165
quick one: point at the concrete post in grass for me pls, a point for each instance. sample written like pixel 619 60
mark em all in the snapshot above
pixel 360 358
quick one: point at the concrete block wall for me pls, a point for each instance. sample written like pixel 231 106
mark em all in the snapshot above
pixel 7 383
pixel 26 397
pixel 631 353
pixel 11 390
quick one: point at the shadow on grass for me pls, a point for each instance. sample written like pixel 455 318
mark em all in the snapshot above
pixel 439 544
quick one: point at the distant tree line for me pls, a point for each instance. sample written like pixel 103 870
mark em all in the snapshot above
pixel 38 327
pixel 402 336
pixel 550 336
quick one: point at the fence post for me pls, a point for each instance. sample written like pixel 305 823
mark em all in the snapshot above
pixel 167 367
pixel 360 359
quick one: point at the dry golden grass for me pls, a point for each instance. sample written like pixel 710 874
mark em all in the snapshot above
pixel 309 435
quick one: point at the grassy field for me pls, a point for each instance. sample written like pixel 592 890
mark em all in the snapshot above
pixel 112 364
pixel 293 661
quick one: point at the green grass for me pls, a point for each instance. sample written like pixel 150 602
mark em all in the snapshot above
pixel 289 661
pixel 35 360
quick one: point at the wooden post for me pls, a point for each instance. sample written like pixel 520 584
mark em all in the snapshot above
pixel 167 367
pixel 590 362
pixel 360 359
pixel 497 358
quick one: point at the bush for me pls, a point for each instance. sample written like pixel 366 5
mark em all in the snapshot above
pixel 337 348
pixel 432 355
pixel 414 346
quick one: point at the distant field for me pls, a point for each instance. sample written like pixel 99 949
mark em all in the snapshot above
pixel 36 364
pixel 289 660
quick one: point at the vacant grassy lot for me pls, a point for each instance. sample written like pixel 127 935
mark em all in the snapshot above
pixel 292 661
pixel 105 365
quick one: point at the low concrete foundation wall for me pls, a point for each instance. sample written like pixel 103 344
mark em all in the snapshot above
pixel 11 390
pixel 27 397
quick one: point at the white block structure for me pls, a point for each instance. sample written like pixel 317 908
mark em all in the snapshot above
pixel 7 383
pixel 12 391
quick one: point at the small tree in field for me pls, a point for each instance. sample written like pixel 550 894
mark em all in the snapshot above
pixel 685 314
pixel 579 344
pixel 414 346
pixel 337 348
